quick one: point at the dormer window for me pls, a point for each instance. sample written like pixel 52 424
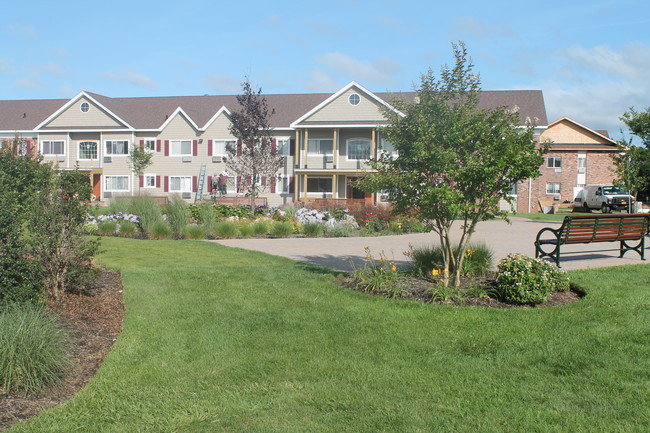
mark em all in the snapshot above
pixel 84 107
pixel 354 99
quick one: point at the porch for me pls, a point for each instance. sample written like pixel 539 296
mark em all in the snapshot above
pixel 335 188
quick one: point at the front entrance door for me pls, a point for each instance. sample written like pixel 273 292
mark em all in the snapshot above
pixel 97 183
pixel 351 191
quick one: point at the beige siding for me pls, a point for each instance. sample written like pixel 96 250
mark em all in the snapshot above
pixel 75 139
pixel 341 110
pixel 567 132
pixel 219 128
pixel 179 128
pixel 73 117
pixel 54 160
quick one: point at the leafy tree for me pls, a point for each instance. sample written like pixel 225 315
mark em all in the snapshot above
pixel 139 160
pixel 456 160
pixel 57 238
pixel 633 162
pixel 254 157
pixel 21 177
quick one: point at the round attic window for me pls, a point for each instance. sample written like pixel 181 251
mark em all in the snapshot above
pixel 85 107
pixel 354 99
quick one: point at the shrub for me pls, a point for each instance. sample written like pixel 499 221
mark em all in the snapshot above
pixel 127 228
pixel 225 229
pixel 225 211
pixel 194 231
pixel 205 216
pixel 478 260
pixel 160 230
pixel 146 209
pixel 340 231
pixel 245 229
pixel 282 230
pixel 106 228
pixel 31 349
pixel 177 214
pixel 313 230
pixel 524 280
pixel 261 228
pixel 378 276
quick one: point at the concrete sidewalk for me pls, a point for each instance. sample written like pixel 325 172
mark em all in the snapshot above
pixel 518 237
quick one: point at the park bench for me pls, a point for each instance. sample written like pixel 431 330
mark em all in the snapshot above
pixel 586 229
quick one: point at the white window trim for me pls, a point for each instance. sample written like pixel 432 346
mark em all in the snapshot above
pixel 154 144
pixel 554 158
pixel 225 142
pixel 79 158
pixel 350 99
pixel 319 193
pixel 181 154
pixel 312 153
pixel 82 105
pixel 288 140
pixel 559 184
pixel 117 155
pixel 42 143
pixel 144 180
pixel 347 148
pixel 128 183
pixel 279 182
pixel 180 190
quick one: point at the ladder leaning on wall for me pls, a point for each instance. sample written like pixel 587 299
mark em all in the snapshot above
pixel 200 183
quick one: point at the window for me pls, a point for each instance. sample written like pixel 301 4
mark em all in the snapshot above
pixel 359 149
pixel 84 107
pixel 554 162
pixel 53 147
pixel 150 145
pixel 116 183
pixel 354 99
pixel 283 185
pixel 149 180
pixel 582 163
pixel 88 150
pixel 220 147
pixel 117 147
pixel 283 146
pixel 321 146
pixel 387 147
pixel 180 183
pixel 514 189
pixel 319 184
pixel 181 148
pixel 553 188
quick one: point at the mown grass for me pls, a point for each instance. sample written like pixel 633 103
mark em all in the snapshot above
pixel 227 340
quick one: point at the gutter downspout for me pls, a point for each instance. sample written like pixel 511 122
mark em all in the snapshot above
pixel 529 186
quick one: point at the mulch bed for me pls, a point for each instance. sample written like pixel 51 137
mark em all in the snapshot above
pixel 418 289
pixel 93 320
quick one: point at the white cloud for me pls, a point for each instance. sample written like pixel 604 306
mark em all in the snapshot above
pixel 27 83
pixel 319 81
pixel 222 83
pixel 131 77
pixel 464 27
pixel 380 72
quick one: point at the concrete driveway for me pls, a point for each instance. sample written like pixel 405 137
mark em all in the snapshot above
pixel 518 237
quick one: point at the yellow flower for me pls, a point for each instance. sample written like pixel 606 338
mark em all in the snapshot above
pixel 382 260
pixel 393 268
pixel 435 272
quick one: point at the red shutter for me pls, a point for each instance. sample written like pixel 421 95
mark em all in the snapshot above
pixel 158 145
pixel 141 181
pixel 141 144
pixel 274 146
pixel 29 147
pixel 166 183
pixel 210 183
pixel 238 147
pixel 194 182
pixel 166 147
pixel 263 180
pixel 291 185
pixel 209 147
pixel 274 180
pixel 292 145
pixel 157 181
pixel 239 185
pixel 195 148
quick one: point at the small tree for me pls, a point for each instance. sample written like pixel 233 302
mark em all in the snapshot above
pixel 139 160
pixel 633 162
pixel 456 161
pixel 254 158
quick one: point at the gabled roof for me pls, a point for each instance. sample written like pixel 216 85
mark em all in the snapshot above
pixel 75 99
pixel 601 134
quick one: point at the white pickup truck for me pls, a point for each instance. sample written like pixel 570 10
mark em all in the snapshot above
pixel 607 198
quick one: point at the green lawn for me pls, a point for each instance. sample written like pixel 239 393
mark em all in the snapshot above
pixel 226 340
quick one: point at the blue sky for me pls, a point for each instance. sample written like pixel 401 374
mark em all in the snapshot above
pixel 590 58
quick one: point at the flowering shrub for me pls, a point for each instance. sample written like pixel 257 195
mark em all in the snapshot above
pixel 524 280
pixel 308 216
pixel 379 276
pixel 277 214
pixel 113 223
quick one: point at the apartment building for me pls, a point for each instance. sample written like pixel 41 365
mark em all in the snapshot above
pixel 326 139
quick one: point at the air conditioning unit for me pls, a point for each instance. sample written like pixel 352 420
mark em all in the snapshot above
pixel 217 159
pixel 60 158
pixel 329 158
pixel 187 159
pixel 582 169
pixel 108 194
pixel 186 195
pixel 108 159
pixel 558 170
pixel 557 197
